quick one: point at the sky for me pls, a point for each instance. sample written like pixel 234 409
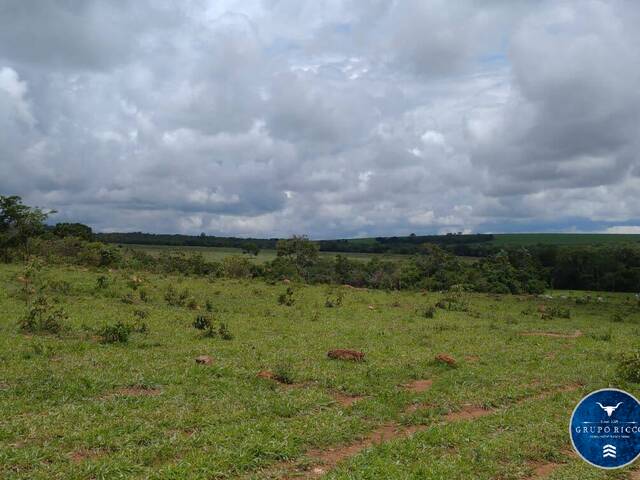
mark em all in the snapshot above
pixel 331 118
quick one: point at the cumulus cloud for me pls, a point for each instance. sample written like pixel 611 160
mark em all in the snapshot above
pixel 333 118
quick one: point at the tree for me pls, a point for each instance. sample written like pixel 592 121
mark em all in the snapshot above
pixel 300 250
pixel 18 223
pixel 251 249
pixel 73 230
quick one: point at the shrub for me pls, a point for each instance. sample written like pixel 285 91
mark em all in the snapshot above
pixel 283 372
pixel 202 322
pixel 618 317
pixel 224 332
pixel 286 298
pixel 629 367
pixel 208 306
pixel 429 311
pixel 192 304
pixel 175 299
pixel 102 282
pixel 334 299
pixel 43 317
pixel 141 314
pixel 116 333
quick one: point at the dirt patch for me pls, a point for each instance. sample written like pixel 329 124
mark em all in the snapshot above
pixel 472 358
pixel 81 455
pixel 418 385
pixel 346 400
pixel 136 391
pixel 542 470
pixel 468 412
pixel 326 460
pixel 204 360
pixel 445 358
pixel 267 375
pixel 575 334
pixel 342 354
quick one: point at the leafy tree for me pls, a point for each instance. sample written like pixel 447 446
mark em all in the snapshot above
pixel 251 249
pixel 300 250
pixel 73 230
pixel 18 223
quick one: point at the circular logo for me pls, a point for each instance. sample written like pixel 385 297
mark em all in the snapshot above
pixel 605 428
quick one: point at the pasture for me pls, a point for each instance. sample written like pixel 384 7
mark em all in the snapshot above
pixel 484 389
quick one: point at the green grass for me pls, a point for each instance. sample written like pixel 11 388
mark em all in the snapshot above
pixel 67 413
pixel 219 253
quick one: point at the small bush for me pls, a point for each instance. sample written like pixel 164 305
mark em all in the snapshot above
pixel 556 312
pixel 102 282
pixel 141 314
pixel 334 299
pixel 618 317
pixel 192 304
pixel 116 333
pixel 144 296
pixel 128 299
pixel 286 298
pixel 224 332
pixel 283 372
pixel 629 367
pixel 175 299
pixel 202 322
pixel 429 311
pixel 43 317
pixel 208 306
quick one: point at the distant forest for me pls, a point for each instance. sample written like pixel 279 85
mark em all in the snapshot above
pixel 464 245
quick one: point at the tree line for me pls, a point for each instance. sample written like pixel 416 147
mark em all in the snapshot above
pixel 431 266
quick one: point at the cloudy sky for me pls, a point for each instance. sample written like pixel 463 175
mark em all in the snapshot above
pixel 326 117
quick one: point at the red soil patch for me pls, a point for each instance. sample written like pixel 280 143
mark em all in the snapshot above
pixel 341 354
pixel 83 454
pixel 204 360
pixel 266 374
pixel 346 400
pixel 575 334
pixel 444 358
pixel 326 460
pixel 542 470
pixel 418 385
pixel 468 412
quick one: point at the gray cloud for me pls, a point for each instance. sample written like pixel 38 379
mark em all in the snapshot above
pixel 333 118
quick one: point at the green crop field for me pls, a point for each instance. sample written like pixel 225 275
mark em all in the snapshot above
pixel 269 403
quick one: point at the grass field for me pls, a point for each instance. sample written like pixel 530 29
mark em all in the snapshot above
pixel 74 408
pixel 218 253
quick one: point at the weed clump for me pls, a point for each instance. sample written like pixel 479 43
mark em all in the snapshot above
pixel 117 333
pixel 43 316
pixel 175 299
pixel 556 312
pixel 629 367
pixel 429 311
pixel 283 372
pixel 334 299
pixel 286 297
pixel 205 323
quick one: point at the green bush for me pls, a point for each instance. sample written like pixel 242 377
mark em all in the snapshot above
pixel 202 322
pixel 116 333
pixel 43 317
pixel 429 311
pixel 629 367
pixel 286 297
